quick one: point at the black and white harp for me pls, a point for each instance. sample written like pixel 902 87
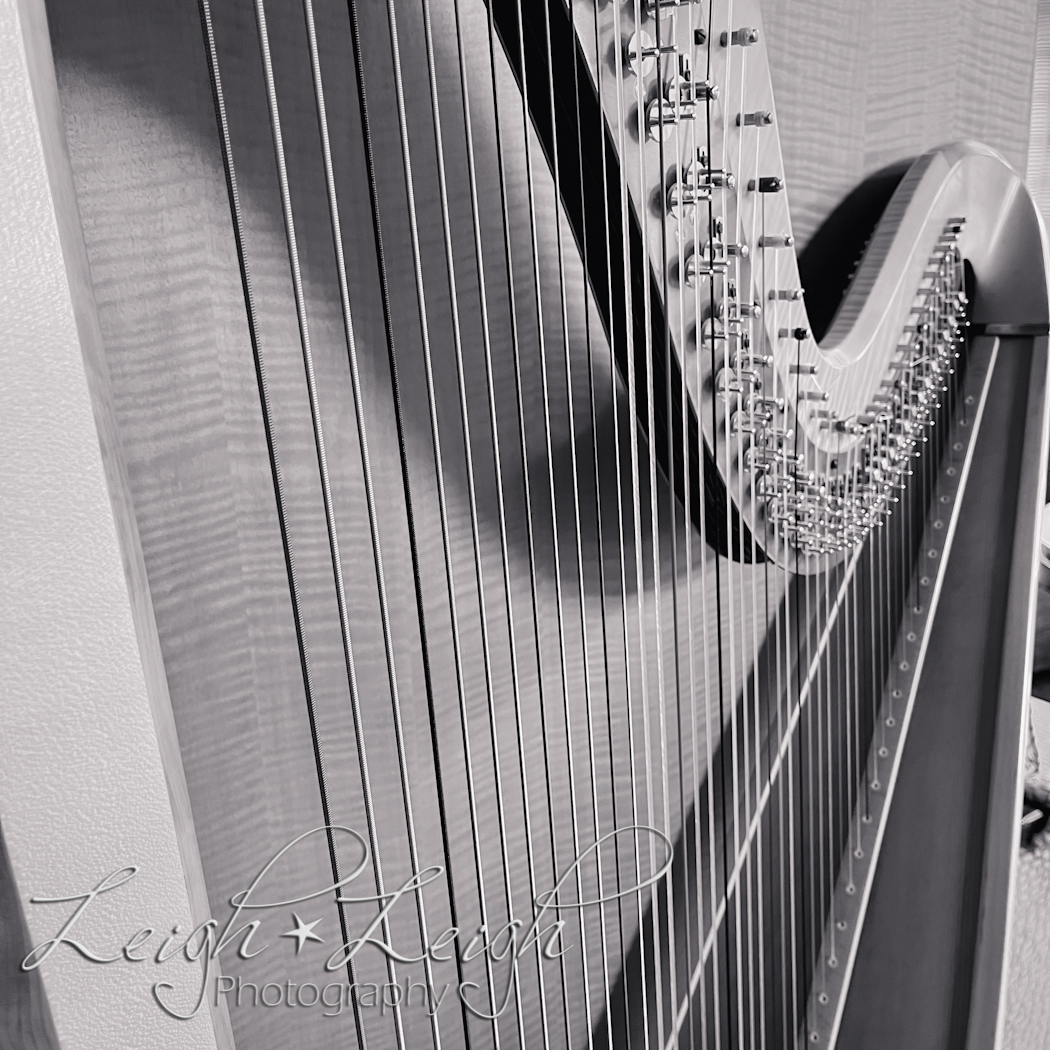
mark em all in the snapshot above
pixel 495 508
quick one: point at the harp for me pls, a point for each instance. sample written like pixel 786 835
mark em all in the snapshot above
pixel 501 497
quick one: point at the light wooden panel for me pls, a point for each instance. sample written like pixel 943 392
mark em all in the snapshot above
pixel 862 84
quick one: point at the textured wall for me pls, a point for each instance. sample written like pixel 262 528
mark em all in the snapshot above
pixel 82 791
pixel 861 84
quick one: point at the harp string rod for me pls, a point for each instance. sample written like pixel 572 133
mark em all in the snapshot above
pixel 550 486
pixel 333 540
pixel 573 459
pixel 498 470
pixel 614 404
pixel 706 1010
pixel 800 705
pixel 657 553
pixel 251 318
pixel 472 499
pixel 362 438
pixel 653 522
pixel 523 445
pixel 684 405
pixel 635 520
pixel 756 684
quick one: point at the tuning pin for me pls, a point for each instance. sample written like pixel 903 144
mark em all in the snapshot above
pixel 776 403
pixel 812 395
pixel 743 37
pixel 759 119
pixel 796 333
pixel 804 370
pixel 660 117
pixel 718 177
pixel 640 53
pixel 705 268
pixel 791 294
pixel 739 251
pixel 780 240
pixel 704 89
pixel 742 310
pixel 767 184
pixel 683 194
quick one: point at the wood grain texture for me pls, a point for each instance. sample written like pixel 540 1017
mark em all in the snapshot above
pixel 151 193
pixel 860 85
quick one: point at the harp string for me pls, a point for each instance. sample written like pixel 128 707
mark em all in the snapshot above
pixel 545 387
pixel 688 145
pixel 631 426
pixel 472 502
pixel 573 458
pixel 251 317
pixel 657 558
pixel 723 796
pixel 351 343
pixel 803 800
pixel 333 541
pixel 526 481
pixel 758 908
pixel 600 542
pixel 600 534
pixel 656 1000
pixel 497 464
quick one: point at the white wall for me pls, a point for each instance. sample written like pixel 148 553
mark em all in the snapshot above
pixel 82 788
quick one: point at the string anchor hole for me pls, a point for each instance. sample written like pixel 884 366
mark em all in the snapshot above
pixel 891 721
pixel 905 666
pixel 883 752
pixel 897 693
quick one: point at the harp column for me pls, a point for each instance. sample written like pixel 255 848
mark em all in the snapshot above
pixel 90 775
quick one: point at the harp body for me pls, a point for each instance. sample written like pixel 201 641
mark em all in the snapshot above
pixel 528 579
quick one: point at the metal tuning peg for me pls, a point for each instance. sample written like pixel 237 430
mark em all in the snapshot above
pixel 759 119
pixel 791 294
pixel 798 334
pixel 739 251
pixel 744 37
pixel 660 117
pixel 717 177
pixel 780 240
pixel 767 184
pixel 640 53
pixel 704 267
pixel 739 310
